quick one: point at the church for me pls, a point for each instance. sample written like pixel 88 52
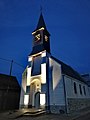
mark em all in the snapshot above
pixel 48 83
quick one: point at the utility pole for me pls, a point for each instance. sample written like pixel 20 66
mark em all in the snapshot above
pixel 11 67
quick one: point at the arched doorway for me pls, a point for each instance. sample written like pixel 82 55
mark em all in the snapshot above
pixel 37 100
pixel 35 89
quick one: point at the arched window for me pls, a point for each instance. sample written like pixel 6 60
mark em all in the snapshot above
pixel 80 89
pixel 84 90
pixel 75 88
pixel 36 65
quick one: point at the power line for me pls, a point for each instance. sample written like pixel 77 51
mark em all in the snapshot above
pixel 19 64
pixel 8 60
pixel 5 59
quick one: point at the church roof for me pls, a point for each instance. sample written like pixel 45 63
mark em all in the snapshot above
pixel 41 22
pixel 67 70
pixel 8 81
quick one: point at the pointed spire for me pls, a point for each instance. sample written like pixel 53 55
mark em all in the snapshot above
pixel 41 22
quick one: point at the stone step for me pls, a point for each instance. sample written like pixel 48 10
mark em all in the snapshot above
pixel 34 113
pixel 26 112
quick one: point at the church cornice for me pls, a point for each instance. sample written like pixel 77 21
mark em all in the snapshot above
pixel 42 28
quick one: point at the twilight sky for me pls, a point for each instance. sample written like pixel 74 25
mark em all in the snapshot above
pixel 68 22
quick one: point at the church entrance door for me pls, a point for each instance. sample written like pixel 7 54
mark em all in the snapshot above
pixel 37 100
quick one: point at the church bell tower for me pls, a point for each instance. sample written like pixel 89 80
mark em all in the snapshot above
pixel 41 37
pixel 36 76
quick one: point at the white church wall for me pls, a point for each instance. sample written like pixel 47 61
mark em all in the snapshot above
pixel 23 88
pixel 76 101
pixel 69 85
pixel 57 100
pixel 28 76
pixel 43 73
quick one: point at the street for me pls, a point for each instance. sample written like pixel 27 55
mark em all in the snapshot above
pixel 84 117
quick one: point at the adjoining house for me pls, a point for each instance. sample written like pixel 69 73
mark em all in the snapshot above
pixel 47 82
pixel 9 92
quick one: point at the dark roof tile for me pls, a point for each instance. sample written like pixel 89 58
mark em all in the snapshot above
pixel 67 70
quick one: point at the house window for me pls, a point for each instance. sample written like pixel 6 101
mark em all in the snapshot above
pixel 84 90
pixel 80 89
pixel 75 88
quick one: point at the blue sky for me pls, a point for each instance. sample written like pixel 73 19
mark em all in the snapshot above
pixel 68 22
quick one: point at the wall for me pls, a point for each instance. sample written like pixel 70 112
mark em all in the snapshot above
pixel 57 100
pixel 76 101
pixel 75 104
pixel 9 92
pixel 23 88
pixel 9 99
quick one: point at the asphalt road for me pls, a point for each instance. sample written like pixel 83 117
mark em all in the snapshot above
pixel 8 116
pixel 84 117
pixel 54 117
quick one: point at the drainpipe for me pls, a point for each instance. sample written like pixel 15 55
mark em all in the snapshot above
pixel 47 79
pixel 65 97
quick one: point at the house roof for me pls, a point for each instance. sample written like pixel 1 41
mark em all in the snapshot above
pixel 67 70
pixel 8 81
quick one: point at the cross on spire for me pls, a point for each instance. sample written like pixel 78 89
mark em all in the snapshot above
pixel 41 9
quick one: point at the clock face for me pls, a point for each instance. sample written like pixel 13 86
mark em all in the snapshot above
pixel 37 38
pixel 46 38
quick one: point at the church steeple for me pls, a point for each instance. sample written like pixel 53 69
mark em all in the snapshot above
pixel 41 36
pixel 41 22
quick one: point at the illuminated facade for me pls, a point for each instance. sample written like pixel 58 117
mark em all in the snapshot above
pixel 49 83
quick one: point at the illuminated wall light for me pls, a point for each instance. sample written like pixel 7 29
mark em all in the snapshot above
pixel 44 54
pixel 50 62
pixel 46 38
pixel 56 75
pixel 42 99
pixel 34 80
pixel 43 73
pixel 26 99
pixel 28 75
pixel 40 53
pixel 30 59
pixel 36 54
pixel 42 28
